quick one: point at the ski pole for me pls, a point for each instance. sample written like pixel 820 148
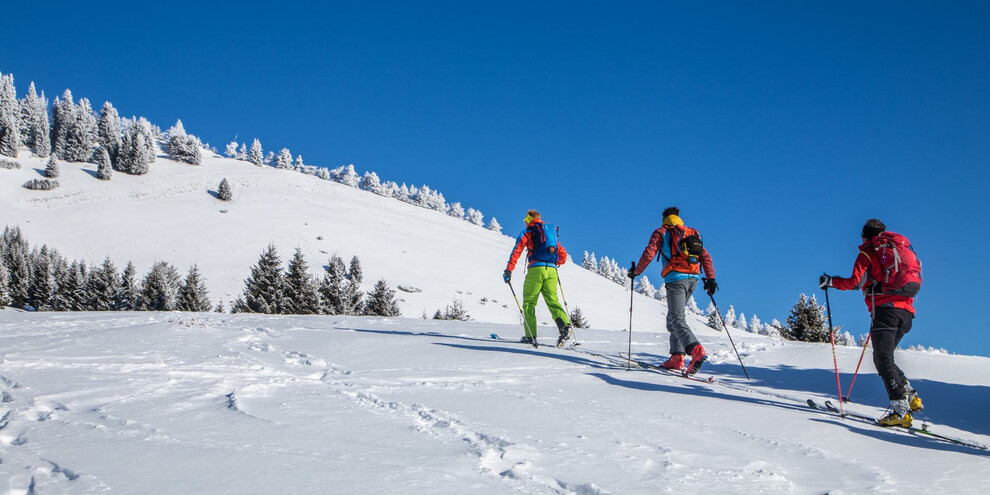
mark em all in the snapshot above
pixel 560 285
pixel 521 314
pixel 835 360
pixel 865 345
pixel 631 292
pixel 719 313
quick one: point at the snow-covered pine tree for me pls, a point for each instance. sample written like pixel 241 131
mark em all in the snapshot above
pixel 371 182
pixel 348 177
pixel 773 329
pixel 108 134
pixel 256 156
pixel 81 134
pixel 806 321
pixel 661 294
pixel 475 217
pixel 4 287
pixel 643 286
pixel 269 159
pixel 220 307
pixel 692 306
pixel 454 311
pixel 381 301
pixel 284 159
pixel 713 320
pixel 140 159
pixel 224 192
pixel 302 295
pixel 193 295
pixel 10 134
pixel 493 225
pixel 589 262
pixel 41 293
pixel 729 316
pixel 70 287
pixel 16 257
pixel 63 112
pixel 740 322
pixel 755 325
pixel 182 146
pixel 332 286
pixel 128 296
pixel 231 150
pixel 264 290
pixel 298 165
pixel 102 287
pixel 242 152
pixel 104 165
pixel 51 168
pixel 42 131
pixel 355 274
pixel 25 116
pixel 577 318
pixel 160 288
pixel 455 210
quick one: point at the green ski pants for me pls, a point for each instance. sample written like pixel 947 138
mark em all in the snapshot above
pixel 542 280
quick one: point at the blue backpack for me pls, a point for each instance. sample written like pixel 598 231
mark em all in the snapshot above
pixel 544 243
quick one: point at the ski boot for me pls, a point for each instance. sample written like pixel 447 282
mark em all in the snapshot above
pixel 900 416
pixel 527 340
pixel 565 333
pixel 698 357
pixel 675 362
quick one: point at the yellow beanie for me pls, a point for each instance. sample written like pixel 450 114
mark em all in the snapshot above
pixel 673 220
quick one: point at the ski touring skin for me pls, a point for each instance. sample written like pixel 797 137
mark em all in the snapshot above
pixel 660 369
pixel 829 407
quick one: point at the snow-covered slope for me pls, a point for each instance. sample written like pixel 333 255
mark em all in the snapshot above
pixel 171 215
pixel 255 404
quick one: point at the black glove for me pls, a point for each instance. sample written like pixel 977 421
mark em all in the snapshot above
pixel 825 281
pixel 632 273
pixel 710 286
pixel 507 276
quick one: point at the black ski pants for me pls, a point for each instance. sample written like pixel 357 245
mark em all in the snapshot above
pixel 889 326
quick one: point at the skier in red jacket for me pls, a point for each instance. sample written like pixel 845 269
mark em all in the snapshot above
pixel 889 277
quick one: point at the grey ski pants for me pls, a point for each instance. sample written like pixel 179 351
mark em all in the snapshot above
pixel 681 336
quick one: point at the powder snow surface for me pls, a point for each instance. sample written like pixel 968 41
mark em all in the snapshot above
pixel 214 403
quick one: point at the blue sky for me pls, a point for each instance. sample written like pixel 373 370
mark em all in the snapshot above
pixel 778 128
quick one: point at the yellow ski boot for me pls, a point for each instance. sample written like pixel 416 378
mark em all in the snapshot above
pixel 894 419
pixel 915 403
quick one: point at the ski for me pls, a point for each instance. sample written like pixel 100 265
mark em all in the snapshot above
pixel 660 369
pixel 829 407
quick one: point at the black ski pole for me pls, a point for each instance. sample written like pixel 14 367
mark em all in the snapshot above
pixel 521 314
pixel 726 327
pixel 631 292
pixel 560 284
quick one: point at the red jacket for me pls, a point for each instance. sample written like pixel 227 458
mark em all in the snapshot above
pixel 660 241
pixel 864 275
pixel 525 241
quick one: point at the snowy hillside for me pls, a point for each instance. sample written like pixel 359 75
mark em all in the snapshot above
pixel 253 404
pixel 171 214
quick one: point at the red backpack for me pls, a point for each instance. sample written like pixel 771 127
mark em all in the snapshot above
pixel 898 270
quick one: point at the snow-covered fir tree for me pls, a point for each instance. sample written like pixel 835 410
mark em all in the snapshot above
pixel 104 165
pixel 755 325
pixel 643 286
pixel 108 131
pixel 264 289
pixel 160 288
pixel 70 286
pixel 16 258
pixel 242 152
pixel 51 168
pixel 661 294
pixel 284 159
pixel 730 315
pixel 81 133
pixel 370 182
pixel 381 301
pixel 475 217
pixel 4 285
pixel 41 292
pixel 332 286
pixel 806 321
pixel 42 131
pixel 102 287
pixel 356 274
pixel 231 150
pixel 346 175
pixel 224 192
pixel 298 165
pixel 63 112
pixel 10 134
pixel 577 318
pixel 128 297
pixel 193 295
pixel 589 262
pixel 256 155
pixel 740 322
pixel 30 109
pixel 493 225
pixel 137 148
pixel 692 306
pixel 713 320
pixel 453 311
pixel 182 146
pixel 455 210
pixel 302 295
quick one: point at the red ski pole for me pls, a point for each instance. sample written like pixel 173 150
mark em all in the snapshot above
pixel 865 345
pixel 835 360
